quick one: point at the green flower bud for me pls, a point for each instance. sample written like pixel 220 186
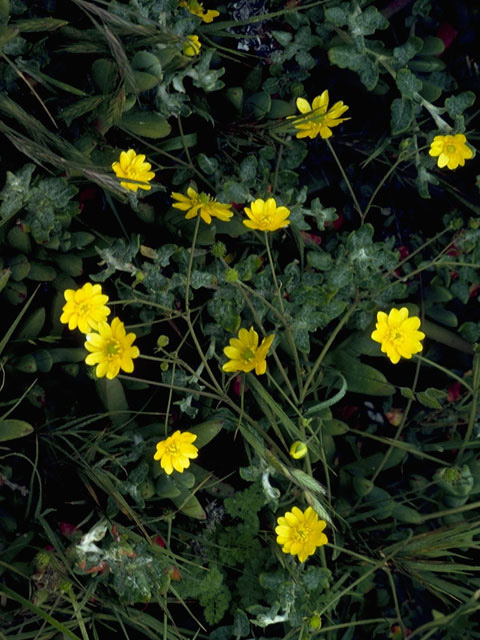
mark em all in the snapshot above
pixel 315 622
pixel 219 250
pixel 298 450
pixel 231 275
pixel 42 560
pixel 162 341
pixel 164 366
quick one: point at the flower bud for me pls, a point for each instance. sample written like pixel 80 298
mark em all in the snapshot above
pixel 219 250
pixel 162 341
pixel 298 450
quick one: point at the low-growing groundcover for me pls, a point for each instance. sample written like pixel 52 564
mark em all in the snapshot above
pixel 239 275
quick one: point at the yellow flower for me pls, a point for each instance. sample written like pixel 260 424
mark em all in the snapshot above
pixel 298 450
pixel 266 216
pixel 196 8
pixel 398 334
pixel 318 117
pixel 245 354
pixel 451 150
pixel 300 533
pixel 176 451
pixel 194 203
pixel 134 167
pixel 85 307
pixel 191 46
pixel 111 349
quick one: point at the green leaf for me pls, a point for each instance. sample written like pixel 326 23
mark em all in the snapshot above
pixel 360 377
pixel 407 393
pixel 408 84
pixel 258 104
pixel 408 50
pixel 206 431
pixel 456 105
pixel 430 397
pixel 248 169
pixel 206 164
pixel 241 625
pixel 11 429
pixel 282 37
pixel 16 190
pixel 320 260
pixel 337 15
pixel 148 124
pixel 189 506
pixel 402 111
pixel 432 46
pixel 236 191
pixel 367 22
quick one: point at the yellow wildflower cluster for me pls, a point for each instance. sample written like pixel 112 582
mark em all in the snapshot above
pixel 110 347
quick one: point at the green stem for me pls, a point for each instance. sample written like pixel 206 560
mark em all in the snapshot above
pixel 395 601
pixel 447 372
pixel 388 453
pixel 473 408
pixel 291 341
pixel 344 176
pixel 277 168
pixel 326 348
pixel 185 145
pixel 280 367
pixel 357 623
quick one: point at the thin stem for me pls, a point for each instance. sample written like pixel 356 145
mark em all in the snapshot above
pixel 447 372
pixel 291 341
pixel 395 600
pixel 185 145
pixel 356 623
pixel 473 408
pixel 344 176
pixel 326 347
pixel 400 428
pixel 274 275
pixel 280 366
pixel 188 318
pixel 401 158
pixel 277 168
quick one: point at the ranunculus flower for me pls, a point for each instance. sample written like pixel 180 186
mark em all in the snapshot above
pixel 85 307
pixel 133 166
pixel 266 216
pixel 246 354
pixel 201 203
pixel 398 334
pixel 111 349
pixel 300 532
pixel 318 119
pixel 451 151
pixel 176 451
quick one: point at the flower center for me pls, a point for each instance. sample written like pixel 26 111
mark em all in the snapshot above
pixel 451 148
pixel 248 354
pixel 301 534
pixel 112 348
pixel 203 198
pixel 84 308
pixel 173 448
